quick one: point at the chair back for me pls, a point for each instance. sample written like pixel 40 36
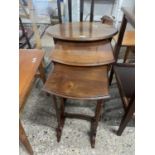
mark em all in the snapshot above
pixel 70 10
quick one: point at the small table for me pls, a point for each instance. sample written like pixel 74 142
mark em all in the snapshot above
pixel 30 63
pixel 83 53
pixel 81 56
pixel 80 83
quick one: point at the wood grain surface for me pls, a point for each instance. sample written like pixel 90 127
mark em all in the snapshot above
pixel 78 82
pixel 29 61
pixel 81 31
pixel 83 54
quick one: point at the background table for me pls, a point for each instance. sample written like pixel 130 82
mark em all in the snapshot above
pixel 30 61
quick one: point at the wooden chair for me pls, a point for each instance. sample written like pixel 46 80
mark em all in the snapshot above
pixel 128 17
pixel 81 10
pixel 24 39
pixel 125 76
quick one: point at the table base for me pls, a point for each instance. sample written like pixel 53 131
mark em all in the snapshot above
pixel 62 115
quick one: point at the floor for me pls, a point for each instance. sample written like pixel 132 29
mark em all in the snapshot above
pixel 39 121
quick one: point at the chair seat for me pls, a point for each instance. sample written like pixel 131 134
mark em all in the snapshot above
pixel 78 82
pixel 126 79
pixel 128 39
pixel 83 54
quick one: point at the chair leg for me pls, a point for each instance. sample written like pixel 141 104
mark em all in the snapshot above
pixel 24 140
pixel 94 123
pixel 126 54
pixel 60 117
pixel 126 118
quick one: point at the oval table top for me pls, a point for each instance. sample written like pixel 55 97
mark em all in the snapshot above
pixel 82 31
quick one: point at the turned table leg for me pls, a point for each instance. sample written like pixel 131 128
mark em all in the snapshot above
pixel 42 72
pixel 94 123
pixel 60 116
pixel 23 139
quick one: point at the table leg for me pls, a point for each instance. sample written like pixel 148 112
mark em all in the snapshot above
pixel 42 72
pixel 94 123
pixel 60 116
pixel 23 139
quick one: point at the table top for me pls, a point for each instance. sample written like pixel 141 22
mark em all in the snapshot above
pixel 29 61
pixel 76 82
pixel 83 53
pixel 130 15
pixel 82 31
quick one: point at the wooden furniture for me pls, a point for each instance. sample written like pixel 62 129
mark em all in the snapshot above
pixel 30 63
pixel 86 83
pixel 81 57
pixel 81 31
pixel 127 17
pixel 128 42
pixel 125 76
pixel 83 53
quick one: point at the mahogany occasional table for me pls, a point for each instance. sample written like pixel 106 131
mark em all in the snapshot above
pixel 81 57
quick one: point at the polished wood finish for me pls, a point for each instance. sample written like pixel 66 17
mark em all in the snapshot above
pixel 78 82
pixel 128 38
pixel 82 31
pixel 83 54
pixel 125 76
pixel 70 10
pixel 29 63
pixel 86 83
